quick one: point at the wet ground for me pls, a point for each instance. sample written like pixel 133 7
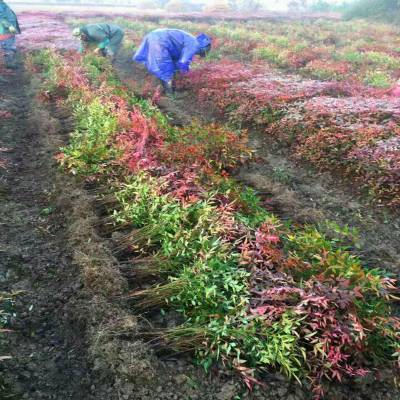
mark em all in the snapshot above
pixel 48 344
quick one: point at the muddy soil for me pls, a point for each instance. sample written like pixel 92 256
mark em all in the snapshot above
pixel 48 345
pixel 295 191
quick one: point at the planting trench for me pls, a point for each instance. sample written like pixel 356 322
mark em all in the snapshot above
pixel 48 343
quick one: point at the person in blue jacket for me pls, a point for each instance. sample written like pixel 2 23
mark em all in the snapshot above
pixel 9 27
pixel 167 51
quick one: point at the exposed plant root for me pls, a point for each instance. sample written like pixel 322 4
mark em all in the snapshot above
pixel 133 239
pixel 155 296
pixel 142 268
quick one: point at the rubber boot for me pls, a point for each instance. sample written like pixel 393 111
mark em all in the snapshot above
pixel 10 61
pixel 168 88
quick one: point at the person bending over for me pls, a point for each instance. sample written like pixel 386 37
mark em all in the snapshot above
pixel 104 39
pixel 165 52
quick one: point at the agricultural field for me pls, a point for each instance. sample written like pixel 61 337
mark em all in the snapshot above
pixel 239 240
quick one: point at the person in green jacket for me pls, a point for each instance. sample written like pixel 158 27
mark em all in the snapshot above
pixel 105 39
pixel 8 29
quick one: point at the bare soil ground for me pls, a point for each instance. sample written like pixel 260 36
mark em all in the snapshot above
pixel 73 337
pixel 48 345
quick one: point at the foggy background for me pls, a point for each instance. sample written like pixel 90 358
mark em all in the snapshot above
pixel 385 10
pixel 192 5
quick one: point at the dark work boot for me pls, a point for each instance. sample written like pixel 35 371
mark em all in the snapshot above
pixel 10 61
pixel 168 88
pixel 11 65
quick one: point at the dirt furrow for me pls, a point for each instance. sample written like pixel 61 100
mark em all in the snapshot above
pixel 48 345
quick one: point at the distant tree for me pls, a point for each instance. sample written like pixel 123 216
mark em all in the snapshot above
pixel 245 5
pixel 326 6
pixel 178 6
pixel 381 9
pixel 218 6
pixel 321 5
pixel 297 5
pixel 148 4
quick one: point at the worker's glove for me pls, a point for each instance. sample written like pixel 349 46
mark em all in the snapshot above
pixel 183 67
pixel 12 30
